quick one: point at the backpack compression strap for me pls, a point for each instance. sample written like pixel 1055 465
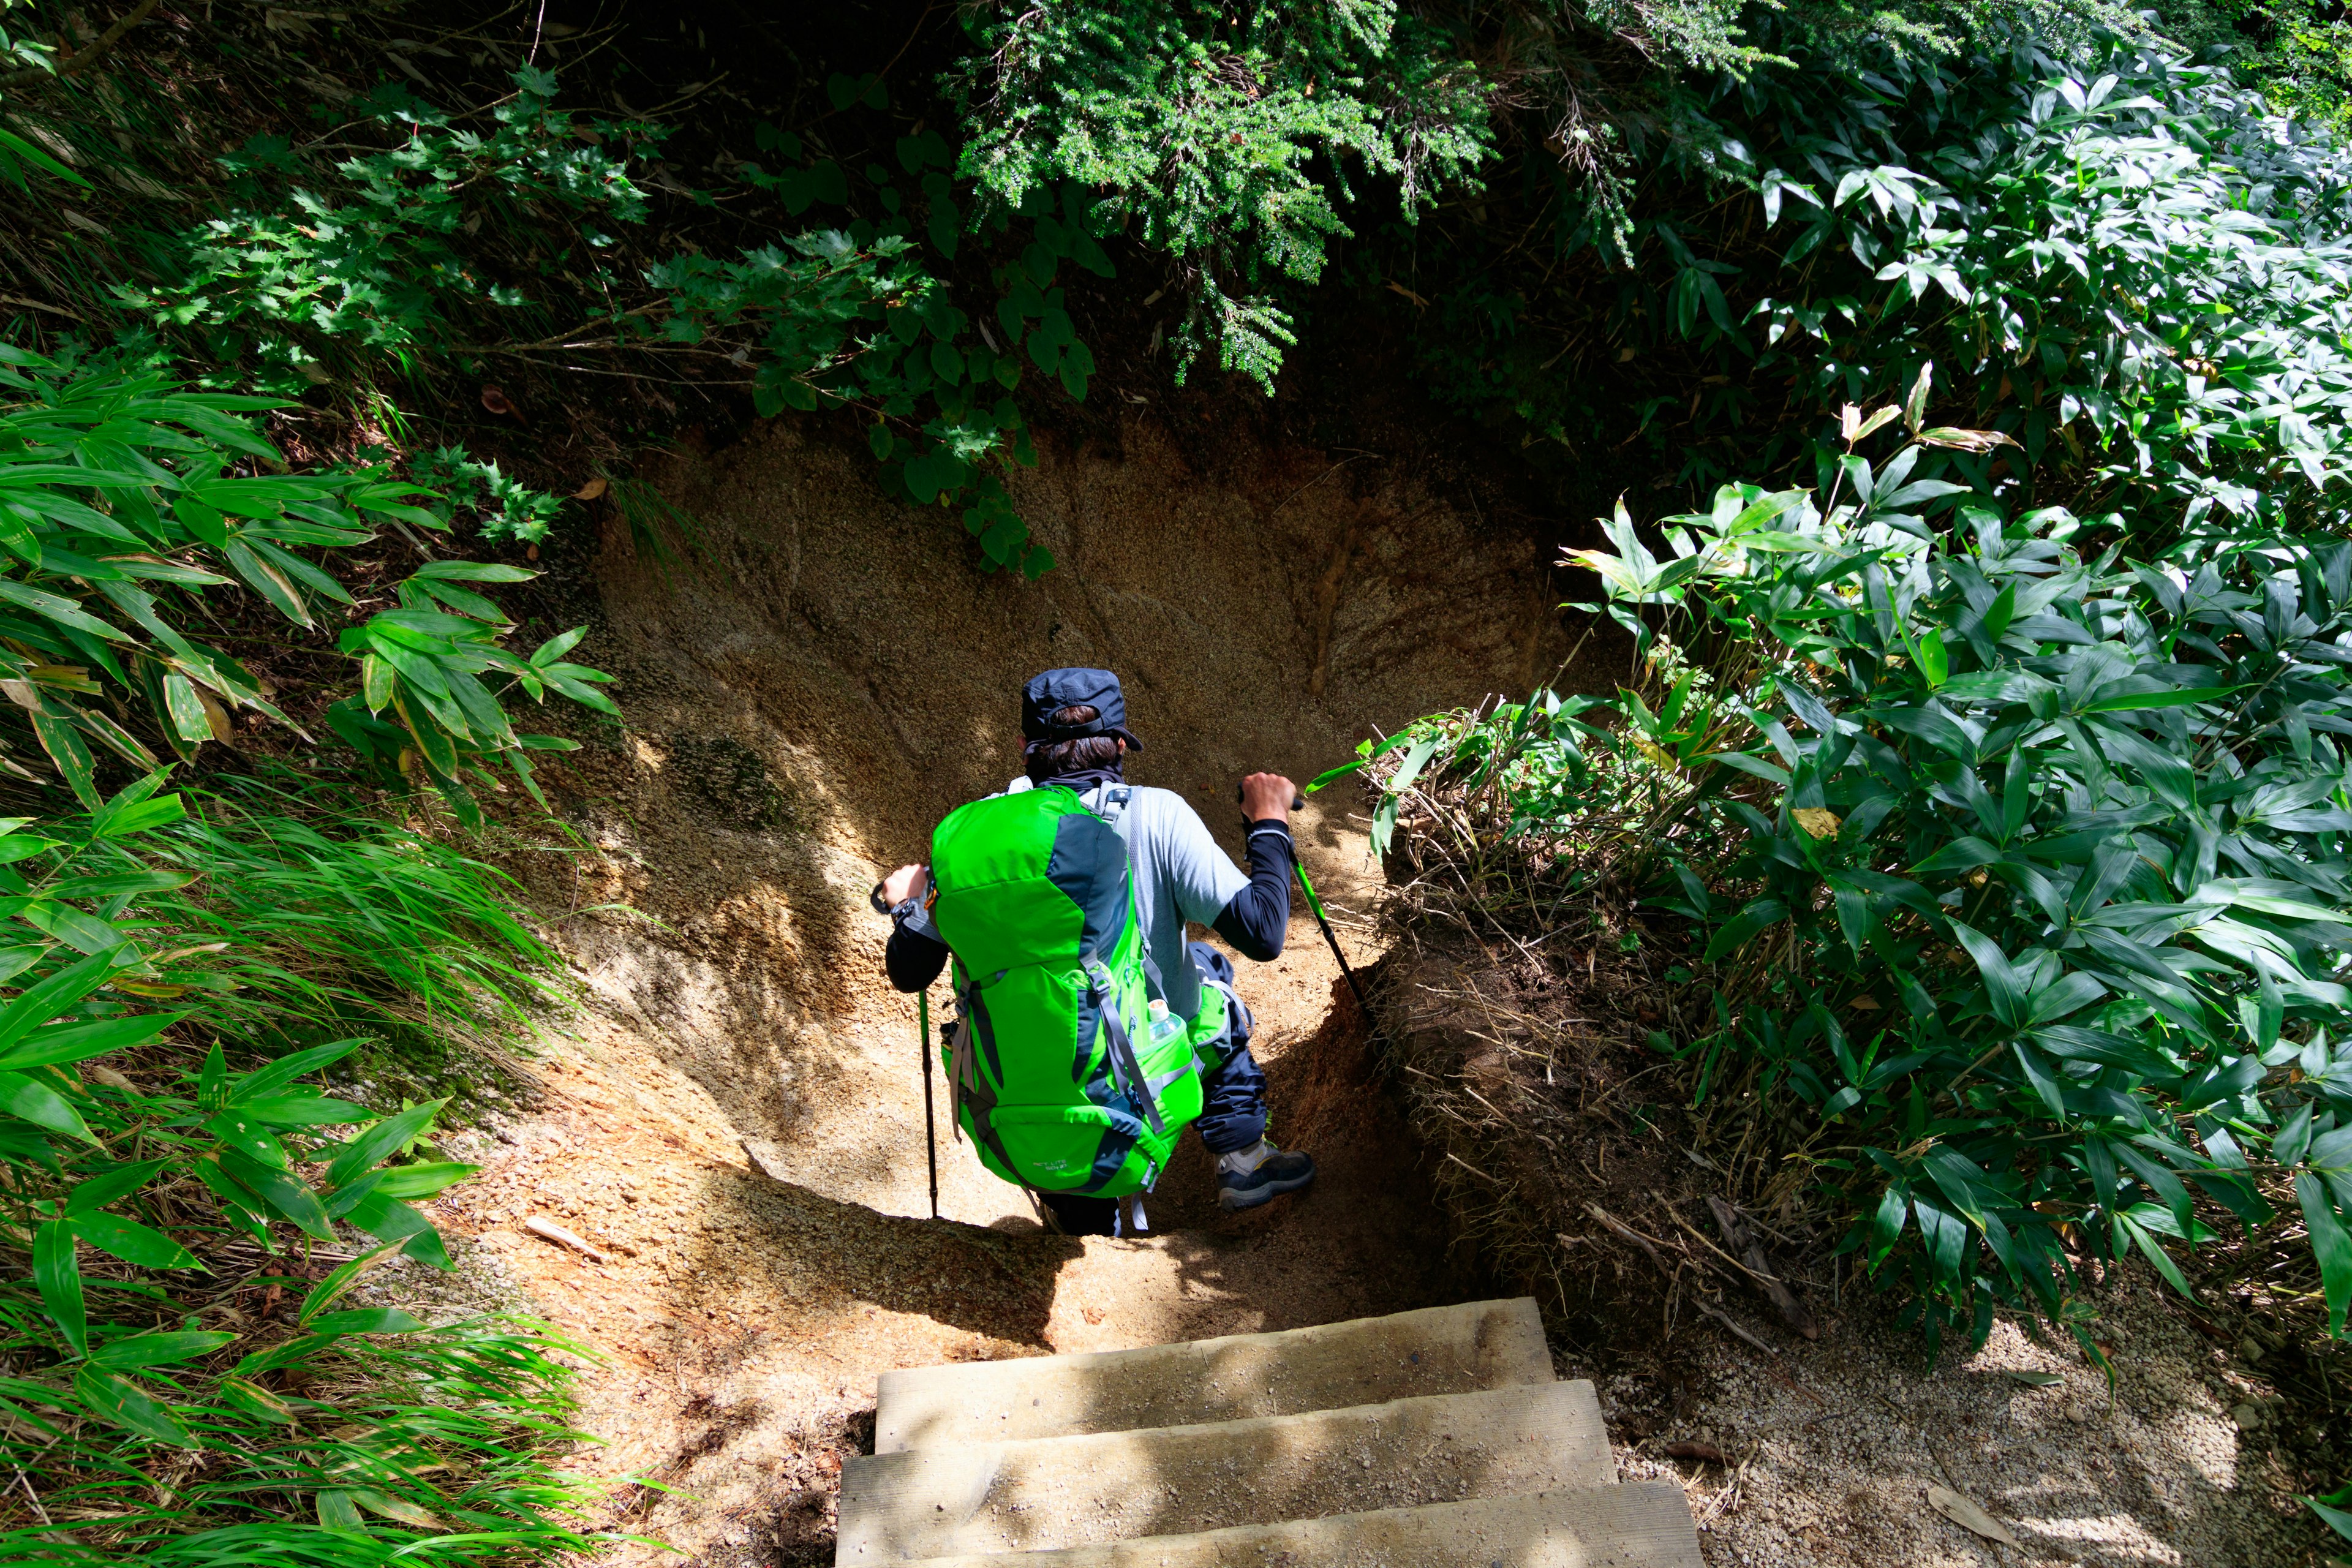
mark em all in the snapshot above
pixel 1124 1069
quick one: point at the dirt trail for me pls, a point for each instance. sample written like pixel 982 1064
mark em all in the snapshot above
pixel 739 1127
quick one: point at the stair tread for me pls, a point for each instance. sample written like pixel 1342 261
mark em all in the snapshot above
pixel 1091 1487
pixel 1367 1361
pixel 1640 1524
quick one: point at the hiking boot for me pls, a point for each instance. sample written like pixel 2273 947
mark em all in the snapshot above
pixel 1248 1177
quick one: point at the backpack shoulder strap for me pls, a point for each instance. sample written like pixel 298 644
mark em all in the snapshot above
pixel 1110 802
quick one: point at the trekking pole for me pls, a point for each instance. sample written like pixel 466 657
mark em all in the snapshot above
pixel 1315 905
pixel 930 1128
pixel 923 1037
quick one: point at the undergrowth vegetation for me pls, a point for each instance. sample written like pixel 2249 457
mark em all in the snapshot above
pixel 181 1383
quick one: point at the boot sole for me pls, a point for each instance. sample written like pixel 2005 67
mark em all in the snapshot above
pixel 1234 1199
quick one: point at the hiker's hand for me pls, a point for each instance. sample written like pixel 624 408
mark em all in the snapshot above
pixel 1268 797
pixel 899 885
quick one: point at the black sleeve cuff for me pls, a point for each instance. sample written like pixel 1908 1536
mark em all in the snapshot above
pixel 1258 918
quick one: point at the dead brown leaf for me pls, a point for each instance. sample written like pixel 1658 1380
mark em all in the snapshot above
pixel 1967 1515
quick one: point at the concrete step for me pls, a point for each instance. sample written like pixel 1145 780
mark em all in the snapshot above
pixel 1438 1350
pixel 1089 1488
pixel 1640 1524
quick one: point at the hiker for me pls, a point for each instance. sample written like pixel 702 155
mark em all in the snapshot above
pixel 1031 888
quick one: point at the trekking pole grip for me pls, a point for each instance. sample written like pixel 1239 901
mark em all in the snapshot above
pixel 1297 802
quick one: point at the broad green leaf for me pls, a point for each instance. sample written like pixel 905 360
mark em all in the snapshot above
pixel 422 1181
pixel 367 1320
pixel 157 1349
pixel 132 1242
pixel 2002 984
pixel 379 1142
pixel 243 1131
pixel 78 1042
pixel 97 1192
pixel 392 1508
pixel 328 1290
pixel 2331 1244
pixel 302 1111
pixel 257 1401
pixel 121 1403
pixel 58 1279
pixel 24 1095
pixel 263 1082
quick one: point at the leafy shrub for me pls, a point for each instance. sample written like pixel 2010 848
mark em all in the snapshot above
pixel 508 511
pixel 120 500
pixel 2040 905
pixel 443 249
pixel 2123 260
pixel 311 271
pixel 401 1441
pixel 855 317
pixel 336 923
pixel 1205 124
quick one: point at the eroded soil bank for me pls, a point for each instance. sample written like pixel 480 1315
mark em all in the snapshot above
pixel 739 1127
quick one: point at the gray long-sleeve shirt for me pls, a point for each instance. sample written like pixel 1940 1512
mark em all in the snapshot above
pixel 1179 874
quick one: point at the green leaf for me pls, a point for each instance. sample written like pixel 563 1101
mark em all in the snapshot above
pixel 392 1508
pixel 63 746
pixel 2330 1244
pixel 471 571
pixel 422 1181
pixel 1736 932
pixel 326 1291
pixel 133 1242
pixel 122 1402
pixel 22 1095
pixel 78 1042
pixel 2335 1519
pixel 262 1082
pixel 257 1401
pixel 186 710
pixel 276 1193
pixel 1934 663
pixel 2154 1253
pixel 2002 984
pixel 243 1130
pixel 302 1111
pixel 378 1143
pixel 2180 697
pixel 157 1349
pixel 367 1320
pixel 59 1280
pixel 338 1512
pixel 89 1197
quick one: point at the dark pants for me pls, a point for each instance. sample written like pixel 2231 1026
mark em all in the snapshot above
pixel 1232 1114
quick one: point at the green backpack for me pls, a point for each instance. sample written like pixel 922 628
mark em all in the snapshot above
pixel 1050 1063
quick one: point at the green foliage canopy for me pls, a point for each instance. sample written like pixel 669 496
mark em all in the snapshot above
pixel 1215 129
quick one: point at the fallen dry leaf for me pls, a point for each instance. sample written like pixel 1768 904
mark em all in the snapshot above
pixel 1703 1453
pixel 1967 1515
pixel 1816 822
pixel 496 401
pixel 553 1231
pixel 595 487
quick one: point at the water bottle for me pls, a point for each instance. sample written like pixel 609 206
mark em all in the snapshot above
pixel 1164 1026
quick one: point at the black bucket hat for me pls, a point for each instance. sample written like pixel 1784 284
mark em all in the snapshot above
pixel 1056 690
